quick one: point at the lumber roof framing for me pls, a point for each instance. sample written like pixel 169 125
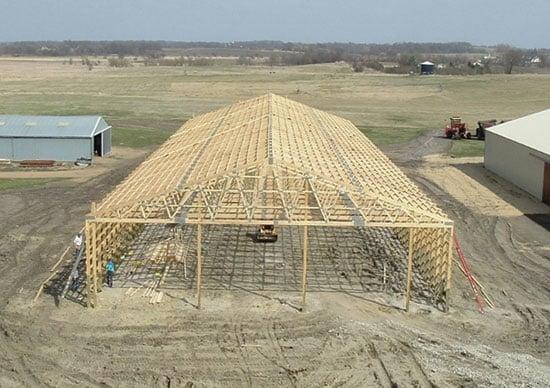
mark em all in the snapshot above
pixel 270 160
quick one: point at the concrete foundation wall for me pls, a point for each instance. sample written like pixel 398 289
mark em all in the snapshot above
pixel 515 163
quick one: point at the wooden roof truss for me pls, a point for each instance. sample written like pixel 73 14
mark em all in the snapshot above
pixel 270 160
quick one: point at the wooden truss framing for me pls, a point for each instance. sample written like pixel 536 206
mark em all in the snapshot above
pixel 270 160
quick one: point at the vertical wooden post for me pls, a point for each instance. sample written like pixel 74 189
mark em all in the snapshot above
pixel 199 264
pixel 304 273
pixel 449 269
pixel 88 236
pixel 94 262
pixel 305 249
pixel 409 269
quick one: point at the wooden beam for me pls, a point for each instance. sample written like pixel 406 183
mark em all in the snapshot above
pixel 89 265
pixel 449 270
pixel 245 221
pixel 94 263
pixel 199 264
pixel 304 267
pixel 409 269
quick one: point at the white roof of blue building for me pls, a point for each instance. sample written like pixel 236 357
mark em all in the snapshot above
pixel 51 126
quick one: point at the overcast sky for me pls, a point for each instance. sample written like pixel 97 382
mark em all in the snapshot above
pixel 524 23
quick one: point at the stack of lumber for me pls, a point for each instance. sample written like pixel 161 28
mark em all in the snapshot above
pixel 37 163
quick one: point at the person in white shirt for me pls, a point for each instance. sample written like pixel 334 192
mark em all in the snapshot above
pixel 77 242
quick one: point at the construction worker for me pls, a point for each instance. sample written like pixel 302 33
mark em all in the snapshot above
pixel 110 267
pixel 77 242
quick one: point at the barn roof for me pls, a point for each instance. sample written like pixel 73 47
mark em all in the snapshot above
pixel 269 159
pixel 51 126
pixel 532 131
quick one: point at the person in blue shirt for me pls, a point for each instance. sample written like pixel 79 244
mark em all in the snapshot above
pixel 110 267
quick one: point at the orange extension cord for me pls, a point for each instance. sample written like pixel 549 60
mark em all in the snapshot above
pixel 469 275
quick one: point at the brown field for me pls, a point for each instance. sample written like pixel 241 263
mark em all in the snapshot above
pixel 247 334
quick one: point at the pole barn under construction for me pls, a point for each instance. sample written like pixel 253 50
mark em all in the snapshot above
pixel 271 161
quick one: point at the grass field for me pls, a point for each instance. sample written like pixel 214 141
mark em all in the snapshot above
pixel 146 104
pixel 23 183
pixel 465 148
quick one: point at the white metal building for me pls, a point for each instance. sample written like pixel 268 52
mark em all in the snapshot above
pixel 61 138
pixel 519 151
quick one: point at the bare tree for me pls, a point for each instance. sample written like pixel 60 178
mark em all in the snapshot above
pixel 544 60
pixel 274 60
pixel 357 65
pixel 511 57
pixel 244 60
pixel 119 61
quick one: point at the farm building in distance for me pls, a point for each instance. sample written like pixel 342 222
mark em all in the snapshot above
pixel 427 68
pixel 519 151
pixel 59 138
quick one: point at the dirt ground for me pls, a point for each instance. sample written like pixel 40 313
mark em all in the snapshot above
pixel 80 174
pixel 253 337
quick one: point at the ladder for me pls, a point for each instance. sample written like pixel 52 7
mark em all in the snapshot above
pixel 74 269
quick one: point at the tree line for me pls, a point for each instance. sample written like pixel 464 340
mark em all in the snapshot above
pixel 139 48
pixel 454 57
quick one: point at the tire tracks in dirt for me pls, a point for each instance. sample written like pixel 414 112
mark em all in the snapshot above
pixel 240 341
pixel 390 354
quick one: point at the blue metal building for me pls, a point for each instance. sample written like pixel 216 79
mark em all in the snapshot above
pixel 427 68
pixel 60 138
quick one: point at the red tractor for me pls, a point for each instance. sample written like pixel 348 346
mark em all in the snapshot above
pixel 457 129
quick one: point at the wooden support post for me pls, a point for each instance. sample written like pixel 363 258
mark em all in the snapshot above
pixel 449 270
pixel 409 269
pixel 88 255
pixel 199 264
pixel 304 273
pixel 94 262
pixel 89 263
pixel 91 252
pixel 98 259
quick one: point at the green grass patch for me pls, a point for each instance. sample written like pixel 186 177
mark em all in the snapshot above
pixel 139 138
pixel 390 135
pixel 465 148
pixel 23 183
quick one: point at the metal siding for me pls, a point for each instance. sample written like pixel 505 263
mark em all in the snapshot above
pixel 515 163
pixel 6 148
pixel 23 149
pixel 51 149
pixel 107 142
